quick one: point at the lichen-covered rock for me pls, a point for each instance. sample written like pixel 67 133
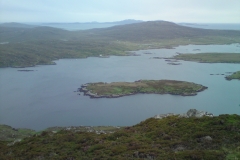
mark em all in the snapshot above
pixel 190 113
pixel 160 116
pixel 196 113
pixel 206 138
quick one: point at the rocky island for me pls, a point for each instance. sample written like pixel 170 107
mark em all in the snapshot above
pixel 119 89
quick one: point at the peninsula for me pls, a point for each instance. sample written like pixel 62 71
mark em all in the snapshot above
pixel 119 89
pixel 209 57
pixel 235 75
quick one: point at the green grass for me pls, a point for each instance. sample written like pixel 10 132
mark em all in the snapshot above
pixel 168 138
pixel 233 153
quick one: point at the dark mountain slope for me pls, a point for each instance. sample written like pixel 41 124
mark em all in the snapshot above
pixel 155 30
pixel 12 34
pixel 137 32
pixel 17 25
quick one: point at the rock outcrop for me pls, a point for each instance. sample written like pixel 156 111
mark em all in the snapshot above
pixel 196 113
pixel 190 113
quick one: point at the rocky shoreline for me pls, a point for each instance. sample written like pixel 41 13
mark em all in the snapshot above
pixel 87 92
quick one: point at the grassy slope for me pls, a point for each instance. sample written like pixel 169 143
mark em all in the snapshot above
pixel 41 45
pixel 168 138
pixel 210 57
pixel 145 86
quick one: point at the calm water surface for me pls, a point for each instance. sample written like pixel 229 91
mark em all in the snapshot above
pixel 46 97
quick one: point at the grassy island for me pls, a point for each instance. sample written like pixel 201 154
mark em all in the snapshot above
pixel 235 75
pixel 119 89
pixel 210 57
pixel 172 137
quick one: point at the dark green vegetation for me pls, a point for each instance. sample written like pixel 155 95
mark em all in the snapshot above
pixel 210 57
pixel 116 89
pixel 29 46
pixel 172 137
pixel 235 75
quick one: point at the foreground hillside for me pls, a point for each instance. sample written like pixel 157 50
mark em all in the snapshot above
pixel 172 137
pixel 30 46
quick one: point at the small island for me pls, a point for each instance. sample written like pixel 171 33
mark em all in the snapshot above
pixel 235 75
pixel 25 70
pixel 120 89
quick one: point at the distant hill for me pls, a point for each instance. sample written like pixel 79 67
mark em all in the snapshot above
pixel 134 32
pixel 216 26
pixel 18 34
pixel 127 21
pixel 156 30
pixel 17 25
pixel 21 47
pixel 88 25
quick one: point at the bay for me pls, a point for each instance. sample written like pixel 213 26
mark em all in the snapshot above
pixel 45 97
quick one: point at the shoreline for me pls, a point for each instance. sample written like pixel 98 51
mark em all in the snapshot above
pixel 127 53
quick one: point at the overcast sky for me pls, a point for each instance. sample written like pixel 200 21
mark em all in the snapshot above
pixel 201 11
